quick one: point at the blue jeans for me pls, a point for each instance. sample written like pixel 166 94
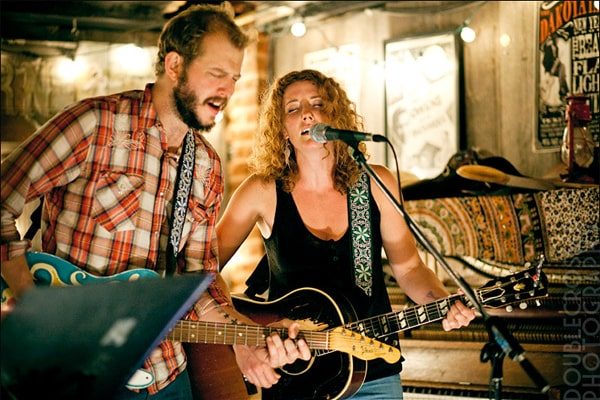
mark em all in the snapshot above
pixel 179 389
pixel 388 388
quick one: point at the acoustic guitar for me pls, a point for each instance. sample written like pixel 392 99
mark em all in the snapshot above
pixel 335 375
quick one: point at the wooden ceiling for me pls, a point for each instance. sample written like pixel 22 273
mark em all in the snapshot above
pixel 106 21
pixel 35 26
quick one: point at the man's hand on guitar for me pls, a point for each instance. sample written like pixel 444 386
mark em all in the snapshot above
pixel 16 274
pixel 7 307
pixel 458 316
pixel 258 363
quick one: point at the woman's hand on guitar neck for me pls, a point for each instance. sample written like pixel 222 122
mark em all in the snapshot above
pixel 258 363
pixel 458 316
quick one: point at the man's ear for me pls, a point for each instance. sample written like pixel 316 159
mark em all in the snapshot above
pixel 173 65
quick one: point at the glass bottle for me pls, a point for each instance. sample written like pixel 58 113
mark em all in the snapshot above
pixel 578 116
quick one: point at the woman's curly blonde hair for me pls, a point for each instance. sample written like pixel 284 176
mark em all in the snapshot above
pixel 268 157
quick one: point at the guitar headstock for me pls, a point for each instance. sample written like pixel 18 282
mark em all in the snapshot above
pixel 524 285
pixel 360 346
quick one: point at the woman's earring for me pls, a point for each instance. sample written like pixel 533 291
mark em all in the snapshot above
pixel 287 152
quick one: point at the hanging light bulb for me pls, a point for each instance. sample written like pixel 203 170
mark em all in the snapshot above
pixel 467 34
pixel 132 58
pixel 69 69
pixel 298 28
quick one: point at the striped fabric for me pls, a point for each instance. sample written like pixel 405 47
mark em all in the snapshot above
pixel 107 179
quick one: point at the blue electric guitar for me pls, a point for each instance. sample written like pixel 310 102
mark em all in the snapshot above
pixel 50 270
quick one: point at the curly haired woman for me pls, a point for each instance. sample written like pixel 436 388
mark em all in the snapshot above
pixel 299 197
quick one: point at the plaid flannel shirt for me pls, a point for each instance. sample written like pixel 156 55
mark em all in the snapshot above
pixel 107 179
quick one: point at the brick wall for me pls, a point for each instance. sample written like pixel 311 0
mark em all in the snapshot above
pixel 241 122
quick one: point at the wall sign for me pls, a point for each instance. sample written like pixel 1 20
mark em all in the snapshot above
pixel 422 102
pixel 341 63
pixel 568 64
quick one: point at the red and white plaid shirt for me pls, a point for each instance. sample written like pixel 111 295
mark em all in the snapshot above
pixel 103 168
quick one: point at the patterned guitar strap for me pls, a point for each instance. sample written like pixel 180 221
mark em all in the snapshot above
pixel 359 214
pixel 183 186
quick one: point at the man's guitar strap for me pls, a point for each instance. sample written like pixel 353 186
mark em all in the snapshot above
pixel 36 221
pixel 183 186
pixel 359 217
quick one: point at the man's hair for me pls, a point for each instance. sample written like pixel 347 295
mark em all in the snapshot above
pixel 183 33
pixel 268 159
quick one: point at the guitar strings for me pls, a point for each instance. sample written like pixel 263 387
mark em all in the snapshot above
pixel 432 311
pixel 221 333
pixel 320 340
pixel 410 315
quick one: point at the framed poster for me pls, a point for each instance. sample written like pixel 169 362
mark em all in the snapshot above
pixel 422 102
pixel 567 53
pixel 341 63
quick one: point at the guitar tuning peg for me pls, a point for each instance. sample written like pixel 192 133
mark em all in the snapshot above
pixel 509 308
pixel 523 306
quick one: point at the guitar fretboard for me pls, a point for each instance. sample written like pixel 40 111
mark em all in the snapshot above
pixel 338 339
pixel 408 318
pixel 525 285
pixel 230 334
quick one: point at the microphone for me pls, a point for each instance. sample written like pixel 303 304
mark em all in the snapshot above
pixel 322 133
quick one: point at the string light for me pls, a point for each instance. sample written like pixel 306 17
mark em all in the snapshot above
pixel 133 59
pixel 467 34
pixel 68 70
pixel 298 29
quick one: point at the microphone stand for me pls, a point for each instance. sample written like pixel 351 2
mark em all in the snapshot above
pixel 502 342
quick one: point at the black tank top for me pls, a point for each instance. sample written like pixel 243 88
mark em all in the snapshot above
pixel 297 258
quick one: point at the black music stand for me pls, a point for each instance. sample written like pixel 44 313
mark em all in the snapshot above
pixel 84 342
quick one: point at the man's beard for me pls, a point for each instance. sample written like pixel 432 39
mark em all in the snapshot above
pixel 186 102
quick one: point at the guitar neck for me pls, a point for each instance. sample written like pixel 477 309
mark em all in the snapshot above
pixel 411 317
pixel 230 334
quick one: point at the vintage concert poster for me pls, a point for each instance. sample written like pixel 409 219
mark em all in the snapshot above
pixel 568 64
